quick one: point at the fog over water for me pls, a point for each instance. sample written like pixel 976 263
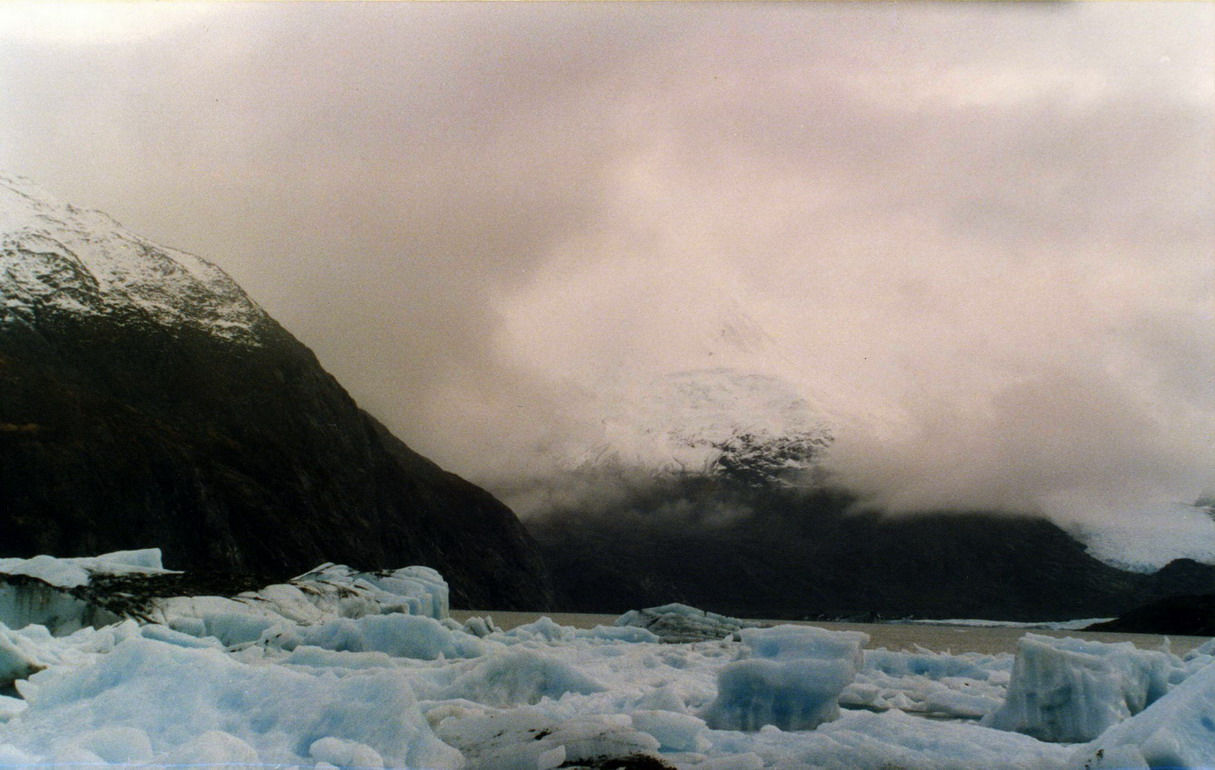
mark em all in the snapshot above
pixel 978 236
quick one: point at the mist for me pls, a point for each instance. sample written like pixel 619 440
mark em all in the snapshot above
pixel 977 237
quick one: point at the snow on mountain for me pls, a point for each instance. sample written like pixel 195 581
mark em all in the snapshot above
pixel 56 256
pixel 730 404
pixel 713 421
pixel 1172 531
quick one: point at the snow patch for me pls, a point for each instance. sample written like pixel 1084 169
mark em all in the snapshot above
pixel 56 256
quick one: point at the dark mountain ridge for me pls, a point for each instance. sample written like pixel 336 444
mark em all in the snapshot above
pixel 809 554
pixel 146 401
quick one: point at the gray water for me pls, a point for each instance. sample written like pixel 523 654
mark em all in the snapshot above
pixel 893 636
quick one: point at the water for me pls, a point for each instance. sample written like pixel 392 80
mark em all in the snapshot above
pixel 894 636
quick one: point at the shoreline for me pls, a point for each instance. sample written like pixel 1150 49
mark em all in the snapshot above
pixel 984 639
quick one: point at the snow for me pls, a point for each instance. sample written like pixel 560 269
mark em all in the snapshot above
pixel 54 255
pixel 340 668
pixel 690 420
pixel 1160 533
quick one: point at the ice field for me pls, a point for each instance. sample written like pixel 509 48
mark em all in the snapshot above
pixel 345 669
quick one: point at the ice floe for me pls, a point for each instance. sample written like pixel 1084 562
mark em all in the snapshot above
pixel 343 669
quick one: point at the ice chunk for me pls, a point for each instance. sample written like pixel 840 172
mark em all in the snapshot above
pixel 501 740
pixel 64 595
pixel 165 634
pixel 598 737
pixel 176 696
pixel 611 634
pixel 345 753
pixel 892 739
pixel 519 676
pixel 115 744
pixel 674 732
pixel 793 682
pixel 528 740
pixel 409 590
pixel 544 629
pixel 1176 731
pixel 212 750
pixel 16 660
pixel 935 665
pixel 11 756
pixel 800 642
pixel 327 593
pixel 1206 649
pixel 748 761
pixel 401 636
pixel 315 657
pixel 966 686
pixel 1072 690
pixel 61 573
pixel 792 695
pixel 481 627
pixel 28 601
pixel 78 571
pixel 10 707
pixel 681 623
pixel 235 628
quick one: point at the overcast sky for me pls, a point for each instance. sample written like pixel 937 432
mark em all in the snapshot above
pixel 994 224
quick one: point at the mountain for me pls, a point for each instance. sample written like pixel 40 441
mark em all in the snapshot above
pixel 708 487
pixel 145 400
pixel 722 420
pixel 733 547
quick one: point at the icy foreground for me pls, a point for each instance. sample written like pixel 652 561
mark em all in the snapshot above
pixel 346 669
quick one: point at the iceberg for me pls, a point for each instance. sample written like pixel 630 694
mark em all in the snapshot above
pixel 793 681
pixel 1072 690
pixel 1176 731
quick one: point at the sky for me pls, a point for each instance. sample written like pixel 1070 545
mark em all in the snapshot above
pixel 982 235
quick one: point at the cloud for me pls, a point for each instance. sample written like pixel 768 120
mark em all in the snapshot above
pixel 980 234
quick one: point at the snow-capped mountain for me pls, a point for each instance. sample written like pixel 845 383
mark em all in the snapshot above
pixel 729 404
pixel 754 427
pixel 145 400
pixel 56 256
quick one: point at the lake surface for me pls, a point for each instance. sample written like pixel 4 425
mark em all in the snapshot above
pixel 893 636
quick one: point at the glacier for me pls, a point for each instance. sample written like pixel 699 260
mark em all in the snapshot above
pixel 345 669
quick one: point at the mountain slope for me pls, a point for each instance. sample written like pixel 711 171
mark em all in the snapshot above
pixel 740 549
pixel 145 400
